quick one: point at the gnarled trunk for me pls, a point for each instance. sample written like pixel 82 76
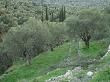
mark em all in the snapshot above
pixel 86 38
pixel 87 43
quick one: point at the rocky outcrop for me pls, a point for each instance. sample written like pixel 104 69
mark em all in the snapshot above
pixel 68 75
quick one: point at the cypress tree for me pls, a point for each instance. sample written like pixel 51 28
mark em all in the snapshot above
pixel 62 14
pixel 42 17
pixel 46 11
pixel 52 19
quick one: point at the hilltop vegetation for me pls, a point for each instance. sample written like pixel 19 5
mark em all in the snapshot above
pixel 76 3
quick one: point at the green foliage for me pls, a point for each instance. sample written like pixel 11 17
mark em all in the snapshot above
pixel 46 11
pixel 6 22
pixel 86 25
pixel 26 40
pixel 62 14
pixel 57 31
pixel 5 62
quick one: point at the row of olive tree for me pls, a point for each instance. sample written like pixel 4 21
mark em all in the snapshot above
pixel 26 40
pixel 32 38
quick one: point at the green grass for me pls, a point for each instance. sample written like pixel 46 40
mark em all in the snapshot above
pixel 92 52
pixel 39 65
pixel 102 76
pixel 42 63
pixel 56 72
pixel 96 48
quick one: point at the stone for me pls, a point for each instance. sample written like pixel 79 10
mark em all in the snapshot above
pixel 90 73
pixel 77 68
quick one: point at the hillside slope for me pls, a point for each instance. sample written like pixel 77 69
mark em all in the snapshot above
pixel 81 3
pixel 50 64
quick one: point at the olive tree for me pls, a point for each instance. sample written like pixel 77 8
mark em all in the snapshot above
pixel 86 24
pixel 5 62
pixel 27 40
pixel 57 32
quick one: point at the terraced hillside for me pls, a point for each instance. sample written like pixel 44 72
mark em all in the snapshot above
pixel 81 3
pixel 51 64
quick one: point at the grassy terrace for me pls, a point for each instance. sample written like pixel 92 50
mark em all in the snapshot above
pixel 41 64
